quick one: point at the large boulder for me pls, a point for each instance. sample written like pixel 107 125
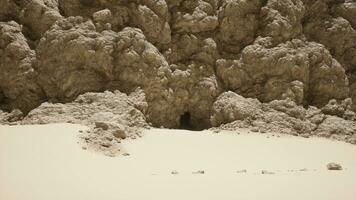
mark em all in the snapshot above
pixel 18 77
pixel 304 72
pixel 230 106
pixel 194 16
pixel 238 24
pixel 72 58
pixel 338 36
pixel 138 63
pixel 282 20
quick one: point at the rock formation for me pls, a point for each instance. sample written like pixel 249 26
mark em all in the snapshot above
pixel 188 57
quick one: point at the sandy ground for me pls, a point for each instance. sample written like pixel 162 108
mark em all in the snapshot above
pixel 45 162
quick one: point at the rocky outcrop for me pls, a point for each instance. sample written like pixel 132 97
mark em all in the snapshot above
pixel 183 54
pixel 232 111
pixel 238 24
pixel 36 16
pixel 304 72
pixel 138 63
pixel 72 58
pixel 282 20
pixel 150 16
pixel 111 117
pixel 18 77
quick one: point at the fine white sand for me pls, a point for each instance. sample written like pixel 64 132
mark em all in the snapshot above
pixel 43 162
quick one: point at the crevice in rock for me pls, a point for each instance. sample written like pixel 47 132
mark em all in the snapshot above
pixel 184 121
pixel 2 97
pixel 187 122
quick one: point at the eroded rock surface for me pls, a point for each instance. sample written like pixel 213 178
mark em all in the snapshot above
pixel 232 111
pixel 18 77
pixel 111 116
pixel 185 55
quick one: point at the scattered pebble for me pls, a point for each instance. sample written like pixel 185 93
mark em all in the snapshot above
pixel 303 170
pixel 254 129
pixel 334 166
pixel 80 131
pixel 263 130
pixel 174 172
pixel 199 172
pixel 267 172
pixel 106 144
pixel 125 154
pixel 119 134
pixel 84 148
pixel 241 171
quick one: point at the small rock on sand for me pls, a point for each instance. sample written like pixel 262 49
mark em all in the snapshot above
pixel 334 166
pixel 267 172
pixel 199 172
pixel 174 172
pixel 241 171
pixel 125 154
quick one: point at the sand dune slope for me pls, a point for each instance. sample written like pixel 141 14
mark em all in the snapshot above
pixel 44 162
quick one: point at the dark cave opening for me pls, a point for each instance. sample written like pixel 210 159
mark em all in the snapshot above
pixel 184 121
pixel 2 97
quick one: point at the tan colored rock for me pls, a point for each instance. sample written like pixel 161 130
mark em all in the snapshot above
pixel 185 63
pixel 79 56
pixel 9 10
pixel 336 126
pixel 281 20
pixel 39 16
pixel 338 36
pixel 302 71
pixel 334 166
pixel 195 16
pixel 18 77
pixel 238 24
pixel 230 107
pixel 347 10
pixel 104 113
pixel 120 134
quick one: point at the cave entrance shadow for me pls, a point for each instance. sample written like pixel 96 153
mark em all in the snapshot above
pixel 185 123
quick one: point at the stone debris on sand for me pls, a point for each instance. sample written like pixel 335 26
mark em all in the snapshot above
pixel 199 172
pixel 267 172
pixel 241 171
pixel 334 166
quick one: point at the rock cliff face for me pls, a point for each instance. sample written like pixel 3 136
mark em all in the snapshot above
pixel 182 54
